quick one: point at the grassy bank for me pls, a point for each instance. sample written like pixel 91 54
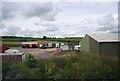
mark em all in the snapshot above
pixel 80 66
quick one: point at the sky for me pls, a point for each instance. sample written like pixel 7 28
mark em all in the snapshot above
pixel 58 19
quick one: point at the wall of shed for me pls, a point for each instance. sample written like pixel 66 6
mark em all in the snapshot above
pixel 94 46
pixel 15 58
pixel 85 44
pixel 109 48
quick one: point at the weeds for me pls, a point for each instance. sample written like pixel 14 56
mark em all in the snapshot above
pixel 80 66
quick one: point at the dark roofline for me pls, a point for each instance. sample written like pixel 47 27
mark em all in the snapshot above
pixel 110 42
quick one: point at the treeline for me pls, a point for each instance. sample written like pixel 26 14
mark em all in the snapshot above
pixel 64 40
pixel 81 66
pixel 18 40
pixel 13 37
pixel 44 37
pixel 73 37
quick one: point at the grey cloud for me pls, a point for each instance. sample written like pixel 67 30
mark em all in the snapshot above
pixel 8 10
pixel 106 20
pixel 27 32
pixel 17 31
pixel 52 28
pixel 0 13
pixel 48 17
pixel 43 10
pixel 107 23
pixel 46 11
pixel 36 23
pixel 38 9
pixel 10 30
pixel 105 28
pixel 51 31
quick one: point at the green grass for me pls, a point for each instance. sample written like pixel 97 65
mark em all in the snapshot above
pixel 16 40
pixel 12 45
pixel 80 66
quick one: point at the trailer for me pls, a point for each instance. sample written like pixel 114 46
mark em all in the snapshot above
pixel 67 47
pixel 62 44
pixel 30 45
pixel 57 45
pixel 77 47
pixel 64 48
pixel 50 45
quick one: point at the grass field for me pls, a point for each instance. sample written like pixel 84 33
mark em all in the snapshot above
pixel 40 42
pixel 16 41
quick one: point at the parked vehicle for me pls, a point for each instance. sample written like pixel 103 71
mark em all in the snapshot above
pixel 44 46
pixel 50 45
pixel 57 45
pixel 71 47
pixel 64 48
pixel 77 47
pixel 30 44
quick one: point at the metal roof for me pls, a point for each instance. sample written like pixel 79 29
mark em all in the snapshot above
pixel 106 37
pixel 12 52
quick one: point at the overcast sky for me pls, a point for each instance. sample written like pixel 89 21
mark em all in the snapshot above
pixel 58 19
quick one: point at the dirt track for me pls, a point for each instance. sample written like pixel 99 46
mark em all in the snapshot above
pixel 37 52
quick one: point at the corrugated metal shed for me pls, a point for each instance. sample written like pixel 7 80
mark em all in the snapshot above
pixel 12 52
pixel 102 44
pixel 13 55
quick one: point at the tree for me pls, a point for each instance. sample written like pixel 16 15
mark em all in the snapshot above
pixel 44 37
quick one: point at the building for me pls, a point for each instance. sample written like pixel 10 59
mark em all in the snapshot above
pixel 101 44
pixel 12 55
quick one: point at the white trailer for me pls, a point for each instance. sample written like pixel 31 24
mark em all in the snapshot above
pixel 50 45
pixel 64 48
pixel 62 44
pixel 57 45
pixel 77 47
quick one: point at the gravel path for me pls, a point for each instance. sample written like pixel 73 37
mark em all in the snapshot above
pixel 37 52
